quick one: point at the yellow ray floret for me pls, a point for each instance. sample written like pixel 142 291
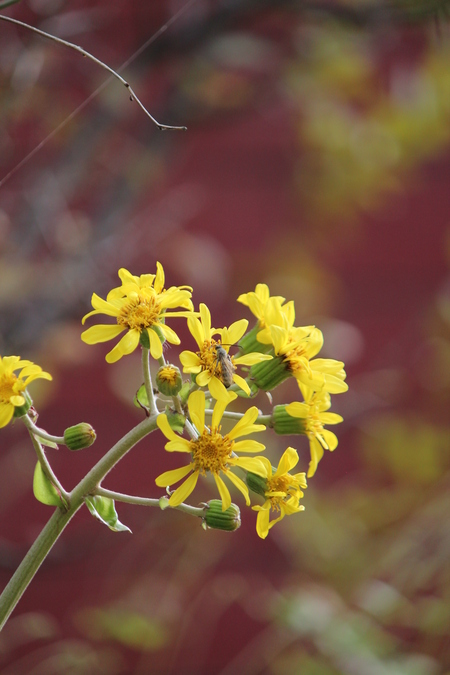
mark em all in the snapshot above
pixel 140 305
pixel 212 452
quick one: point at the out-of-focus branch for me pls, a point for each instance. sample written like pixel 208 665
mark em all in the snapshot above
pixel 64 43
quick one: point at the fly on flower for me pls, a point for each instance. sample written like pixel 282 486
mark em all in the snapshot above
pixel 206 364
pixel 226 365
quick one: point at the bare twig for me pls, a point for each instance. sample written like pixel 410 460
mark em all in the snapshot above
pixel 133 97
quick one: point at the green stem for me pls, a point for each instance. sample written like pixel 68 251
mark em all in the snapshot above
pixel 59 440
pixel 148 381
pixel 32 561
pixel 147 501
pixel 58 521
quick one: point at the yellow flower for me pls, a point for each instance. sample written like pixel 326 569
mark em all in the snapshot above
pixel 139 306
pixel 206 364
pixel 297 346
pixel 313 412
pixel 12 386
pixel 282 492
pixel 211 451
pixel 268 310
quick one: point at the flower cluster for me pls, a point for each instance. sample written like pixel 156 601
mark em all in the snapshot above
pixel 194 415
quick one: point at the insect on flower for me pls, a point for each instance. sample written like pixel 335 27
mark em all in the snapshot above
pixel 227 367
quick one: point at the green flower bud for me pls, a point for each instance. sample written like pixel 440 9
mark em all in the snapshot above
pixel 269 374
pixel 80 436
pixel 283 423
pixel 168 380
pixel 256 483
pixel 217 519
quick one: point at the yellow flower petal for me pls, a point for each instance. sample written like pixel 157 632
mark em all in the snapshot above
pixel 190 362
pixel 234 333
pixel 251 359
pixel 223 492
pixel 164 426
pixel 245 425
pixel 251 464
pixel 6 413
pixel 316 451
pixel 248 446
pixel 159 279
pixel 217 389
pixel 196 405
pixel 262 521
pixel 219 408
pixel 203 378
pixel 168 333
pixel 196 330
pixel 184 490
pixel 241 486
pixel 205 316
pixel 288 460
pixel 101 333
pixel 156 348
pixel 129 342
pixel 237 379
pixel 170 477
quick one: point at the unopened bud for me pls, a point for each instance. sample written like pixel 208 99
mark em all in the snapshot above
pixel 217 519
pixel 79 436
pixel 168 380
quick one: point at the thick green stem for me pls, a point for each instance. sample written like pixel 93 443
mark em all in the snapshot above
pixel 51 531
pixel 32 561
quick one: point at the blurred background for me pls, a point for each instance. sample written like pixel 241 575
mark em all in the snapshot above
pixel 317 160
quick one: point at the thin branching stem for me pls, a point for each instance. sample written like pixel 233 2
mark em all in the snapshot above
pixel 65 43
pixel 147 501
pixel 59 440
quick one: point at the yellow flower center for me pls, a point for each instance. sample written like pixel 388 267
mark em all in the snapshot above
pixel 211 452
pixel 7 382
pixel 286 484
pixel 139 313
pixel 296 359
pixel 168 374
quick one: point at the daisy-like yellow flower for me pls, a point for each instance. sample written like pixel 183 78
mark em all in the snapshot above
pixel 212 452
pixel 282 492
pixel 264 306
pixel 207 365
pixel 313 412
pixel 297 347
pixel 140 305
pixel 12 386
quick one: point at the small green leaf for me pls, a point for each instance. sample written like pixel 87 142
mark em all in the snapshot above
pixel 176 421
pixel 140 399
pixel 48 444
pixel 43 489
pixel 103 508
